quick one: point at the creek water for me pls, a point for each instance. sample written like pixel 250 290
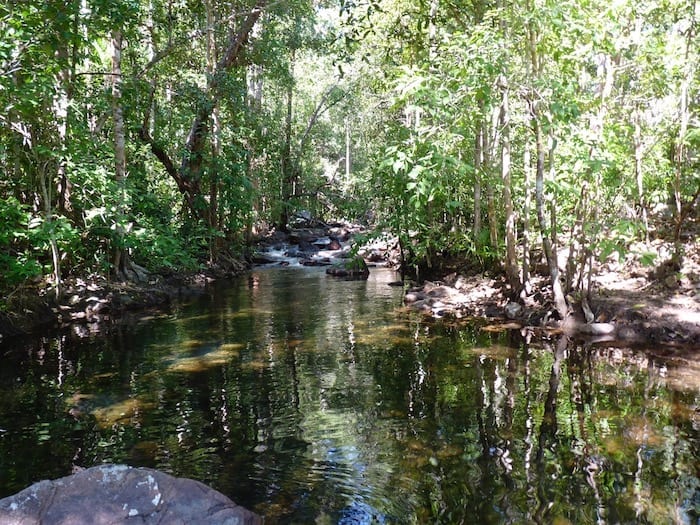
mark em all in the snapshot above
pixel 314 400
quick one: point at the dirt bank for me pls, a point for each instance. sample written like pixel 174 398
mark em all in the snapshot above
pixel 96 300
pixel 631 303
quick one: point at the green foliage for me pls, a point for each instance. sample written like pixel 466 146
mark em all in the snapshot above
pixel 163 250
pixel 407 88
pixel 16 263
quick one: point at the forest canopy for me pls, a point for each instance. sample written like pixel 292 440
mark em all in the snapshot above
pixel 163 135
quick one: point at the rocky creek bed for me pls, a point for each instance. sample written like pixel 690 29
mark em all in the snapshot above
pixel 631 303
pixel 88 304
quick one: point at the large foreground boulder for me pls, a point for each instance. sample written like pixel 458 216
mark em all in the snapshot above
pixel 114 494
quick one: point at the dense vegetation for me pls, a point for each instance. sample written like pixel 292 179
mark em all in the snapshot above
pixel 153 135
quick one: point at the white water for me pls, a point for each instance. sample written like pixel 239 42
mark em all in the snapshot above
pixel 280 255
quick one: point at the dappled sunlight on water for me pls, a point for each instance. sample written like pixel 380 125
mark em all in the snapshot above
pixel 123 412
pixel 215 357
pixel 316 400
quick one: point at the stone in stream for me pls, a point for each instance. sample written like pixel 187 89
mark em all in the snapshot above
pixel 355 267
pixel 110 494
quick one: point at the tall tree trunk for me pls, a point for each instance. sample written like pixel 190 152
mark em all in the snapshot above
pixel 478 166
pixel 348 145
pixel 62 111
pixel 215 135
pixel 120 256
pixel 639 171
pixel 68 53
pixel 286 163
pixel 576 261
pixel 545 229
pixel 527 172
pixel 49 219
pixel 607 67
pixel 489 155
pixel 680 153
pixel 124 268
pixel 511 265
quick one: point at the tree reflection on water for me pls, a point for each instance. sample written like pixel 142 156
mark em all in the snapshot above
pixel 314 400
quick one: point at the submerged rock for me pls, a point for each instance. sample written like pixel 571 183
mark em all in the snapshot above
pixel 109 494
pixel 355 267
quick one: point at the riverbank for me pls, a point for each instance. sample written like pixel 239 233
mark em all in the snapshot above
pixel 93 301
pixel 90 303
pixel 631 303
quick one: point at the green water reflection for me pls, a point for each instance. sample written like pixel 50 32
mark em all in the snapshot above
pixel 312 400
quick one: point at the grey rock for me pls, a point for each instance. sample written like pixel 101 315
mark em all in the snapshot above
pixel 441 292
pixel 513 310
pixel 412 297
pixel 113 494
pixel 597 328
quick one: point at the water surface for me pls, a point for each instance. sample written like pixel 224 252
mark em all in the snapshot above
pixel 315 400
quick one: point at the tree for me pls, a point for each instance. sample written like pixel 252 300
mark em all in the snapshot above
pixel 188 175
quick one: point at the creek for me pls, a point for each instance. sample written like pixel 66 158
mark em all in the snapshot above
pixel 315 400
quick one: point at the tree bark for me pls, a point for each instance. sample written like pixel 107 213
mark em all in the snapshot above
pixel 680 153
pixel 119 255
pixel 559 298
pixel 286 164
pixel 49 219
pixel 511 257
pixel 478 163
pixel 527 172
pixel 547 231
pixel 213 212
pixel 489 154
pixel 69 54
pixel 124 268
pixel 639 172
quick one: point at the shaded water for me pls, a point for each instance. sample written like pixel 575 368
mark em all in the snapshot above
pixel 313 400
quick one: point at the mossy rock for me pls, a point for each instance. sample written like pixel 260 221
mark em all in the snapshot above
pixel 355 268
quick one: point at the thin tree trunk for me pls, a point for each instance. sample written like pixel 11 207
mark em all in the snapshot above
pixel 49 219
pixel 254 82
pixel 120 257
pixel 117 112
pixel 680 150
pixel 286 165
pixel 348 145
pixel 69 53
pixel 577 251
pixel 597 131
pixel 547 231
pixel 489 155
pixel 123 266
pixel 478 164
pixel 215 135
pixel 559 298
pixel 511 257
pixel 639 172
pixel 62 111
pixel 527 172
